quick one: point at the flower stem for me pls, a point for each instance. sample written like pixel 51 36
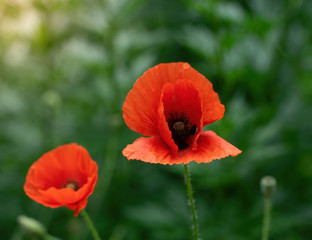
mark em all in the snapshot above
pixel 266 217
pixel 87 219
pixel 191 201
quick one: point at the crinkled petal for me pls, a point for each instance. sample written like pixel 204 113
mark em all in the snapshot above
pixel 155 150
pixel 210 147
pixel 213 110
pixel 148 149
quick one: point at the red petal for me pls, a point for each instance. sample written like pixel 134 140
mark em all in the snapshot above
pixel 67 161
pixel 180 97
pixel 210 147
pixel 163 128
pixel 213 110
pixel 75 200
pixel 155 150
pixel 148 149
pixel 142 101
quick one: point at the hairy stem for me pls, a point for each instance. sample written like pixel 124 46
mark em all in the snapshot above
pixel 191 201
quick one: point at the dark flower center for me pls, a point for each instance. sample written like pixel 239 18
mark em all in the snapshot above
pixel 71 183
pixel 178 126
pixel 181 129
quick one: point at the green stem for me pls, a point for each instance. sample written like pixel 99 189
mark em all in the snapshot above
pixel 266 218
pixel 87 219
pixel 191 201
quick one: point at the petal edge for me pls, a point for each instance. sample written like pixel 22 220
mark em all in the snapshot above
pixel 154 150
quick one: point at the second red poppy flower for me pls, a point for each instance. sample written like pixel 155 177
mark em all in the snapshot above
pixel 65 176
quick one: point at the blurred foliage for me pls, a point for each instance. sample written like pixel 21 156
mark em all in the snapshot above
pixel 66 67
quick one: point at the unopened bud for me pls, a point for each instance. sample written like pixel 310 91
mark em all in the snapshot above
pixel 32 226
pixel 268 185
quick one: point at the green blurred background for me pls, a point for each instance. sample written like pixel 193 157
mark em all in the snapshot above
pixel 67 65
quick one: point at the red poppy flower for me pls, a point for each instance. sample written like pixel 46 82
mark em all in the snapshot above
pixel 65 176
pixel 171 103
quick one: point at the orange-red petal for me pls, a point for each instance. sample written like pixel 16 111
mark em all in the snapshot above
pixel 142 102
pixel 46 177
pixel 148 149
pixel 213 110
pixel 181 97
pixel 155 150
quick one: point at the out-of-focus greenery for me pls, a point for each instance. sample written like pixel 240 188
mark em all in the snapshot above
pixel 67 65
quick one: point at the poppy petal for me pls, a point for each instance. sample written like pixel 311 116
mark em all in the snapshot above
pixel 148 149
pixel 180 98
pixel 210 147
pixel 54 197
pixel 163 125
pixel 213 110
pixel 155 150
pixel 73 156
pixel 142 101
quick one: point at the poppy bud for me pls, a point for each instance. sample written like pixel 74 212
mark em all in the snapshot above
pixel 268 185
pixel 31 226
